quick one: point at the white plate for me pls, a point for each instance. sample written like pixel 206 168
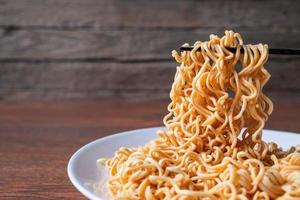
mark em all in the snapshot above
pixel 90 180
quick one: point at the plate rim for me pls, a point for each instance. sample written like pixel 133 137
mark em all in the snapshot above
pixel 74 156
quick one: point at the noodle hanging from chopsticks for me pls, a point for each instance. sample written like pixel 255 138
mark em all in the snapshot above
pixel 214 95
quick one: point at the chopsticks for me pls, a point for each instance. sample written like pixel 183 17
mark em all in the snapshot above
pixel 271 50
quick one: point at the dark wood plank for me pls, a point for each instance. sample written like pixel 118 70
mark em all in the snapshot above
pixel 139 80
pixel 118 44
pixel 86 80
pixel 43 44
pixel 38 138
pixel 284 71
pixel 274 14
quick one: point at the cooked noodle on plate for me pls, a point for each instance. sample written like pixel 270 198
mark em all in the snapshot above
pixel 200 155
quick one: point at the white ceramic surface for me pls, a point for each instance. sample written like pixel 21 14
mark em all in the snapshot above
pixel 89 178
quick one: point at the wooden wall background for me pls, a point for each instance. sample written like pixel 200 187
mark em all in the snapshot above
pixel 78 49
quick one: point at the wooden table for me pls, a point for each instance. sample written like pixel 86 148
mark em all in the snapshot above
pixel 38 138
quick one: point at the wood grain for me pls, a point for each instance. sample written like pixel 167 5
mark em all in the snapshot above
pixel 118 44
pixel 86 80
pixel 74 49
pixel 274 14
pixel 38 138
pixel 138 80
